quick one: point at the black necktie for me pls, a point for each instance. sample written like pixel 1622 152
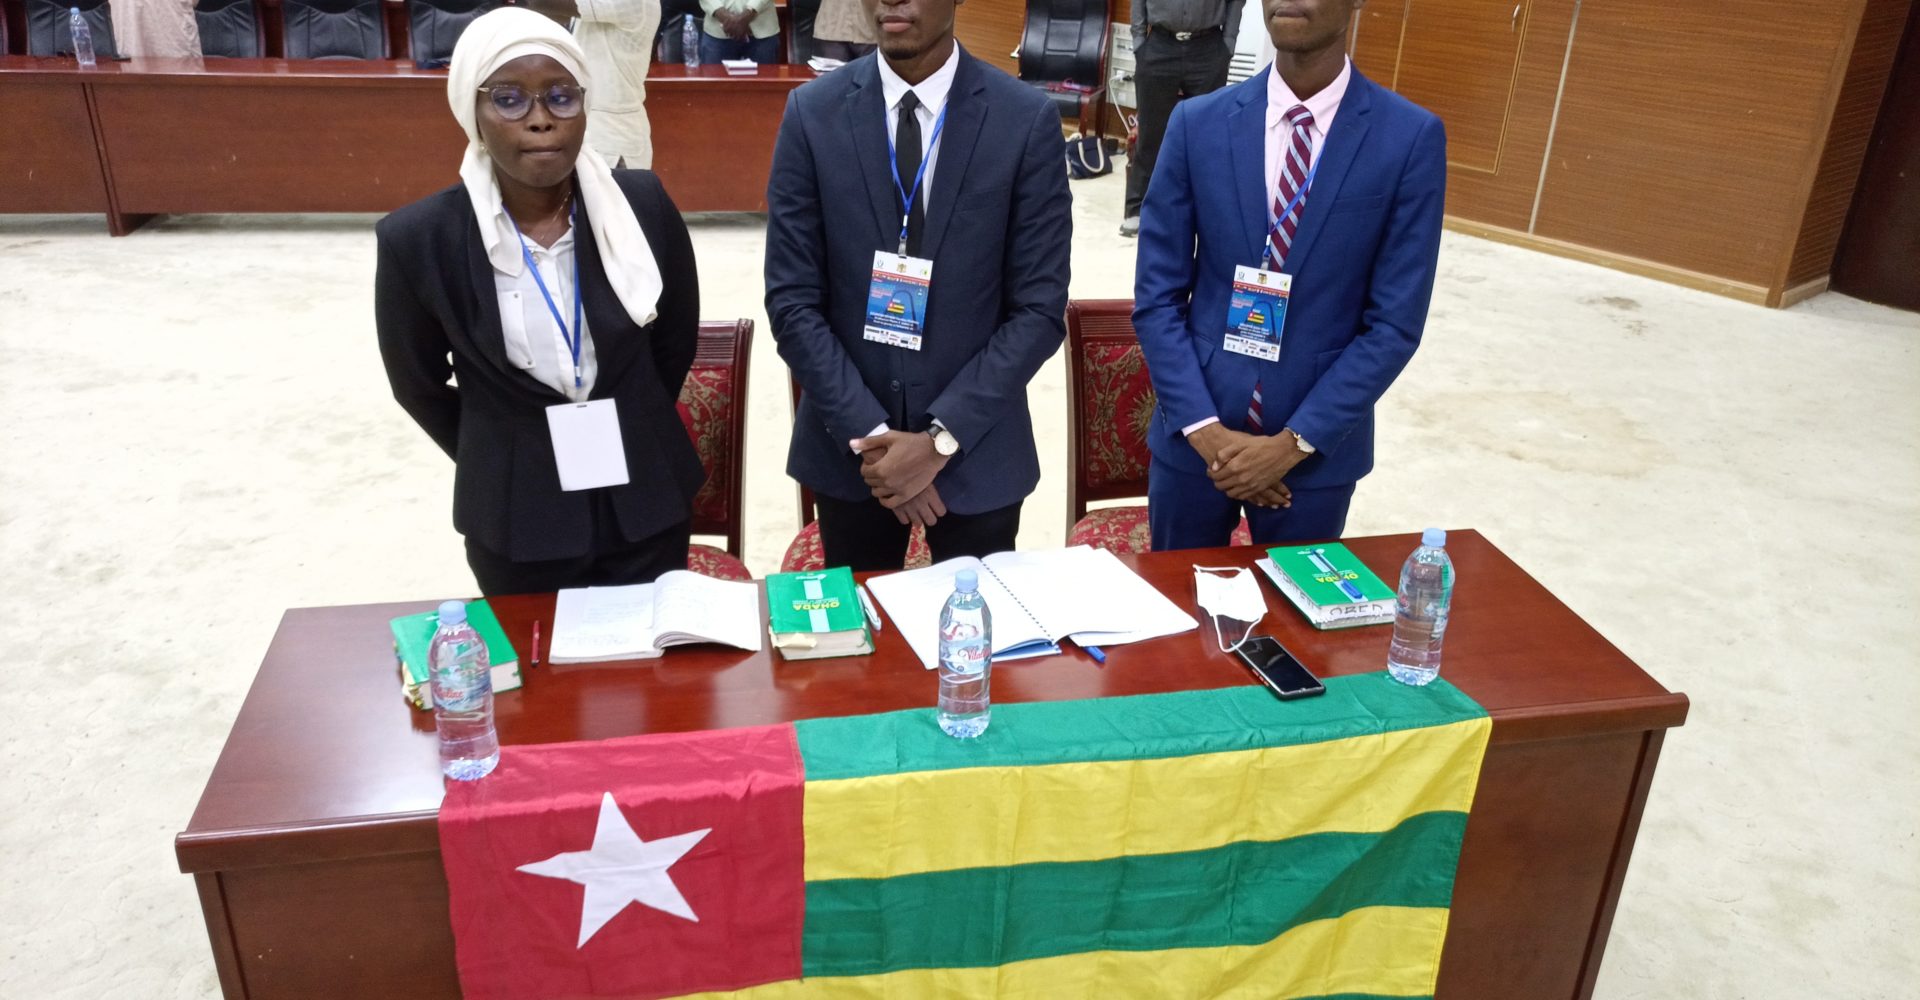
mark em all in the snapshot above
pixel 906 159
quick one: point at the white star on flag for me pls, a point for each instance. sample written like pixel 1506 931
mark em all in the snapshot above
pixel 620 869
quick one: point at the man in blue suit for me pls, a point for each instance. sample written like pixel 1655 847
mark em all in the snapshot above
pixel 918 223
pixel 1307 178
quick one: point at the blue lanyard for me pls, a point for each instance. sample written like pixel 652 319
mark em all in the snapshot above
pixel 893 165
pixel 1272 243
pixel 575 337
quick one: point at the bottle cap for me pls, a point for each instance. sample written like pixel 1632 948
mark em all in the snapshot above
pixel 966 581
pixel 453 612
pixel 1435 538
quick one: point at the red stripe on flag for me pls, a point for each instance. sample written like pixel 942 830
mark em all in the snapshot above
pixel 555 891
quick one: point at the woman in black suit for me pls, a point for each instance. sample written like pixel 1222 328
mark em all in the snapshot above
pixel 562 298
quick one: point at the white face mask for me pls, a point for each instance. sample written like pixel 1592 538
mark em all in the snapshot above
pixel 1229 592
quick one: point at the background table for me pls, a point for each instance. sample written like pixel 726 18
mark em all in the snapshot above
pixel 316 856
pixel 145 137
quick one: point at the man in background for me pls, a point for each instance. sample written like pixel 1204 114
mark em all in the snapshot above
pixel 740 29
pixel 918 236
pixel 1181 49
pixel 617 38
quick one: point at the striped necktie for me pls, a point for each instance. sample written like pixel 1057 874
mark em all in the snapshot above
pixel 1293 173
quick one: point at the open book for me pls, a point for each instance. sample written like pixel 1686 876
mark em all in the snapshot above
pixel 1036 599
pixel 595 624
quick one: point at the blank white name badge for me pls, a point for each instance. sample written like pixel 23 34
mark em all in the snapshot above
pixel 586 445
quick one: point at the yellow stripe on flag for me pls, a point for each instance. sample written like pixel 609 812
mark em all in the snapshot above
pixel 925 821
pixel 1381 950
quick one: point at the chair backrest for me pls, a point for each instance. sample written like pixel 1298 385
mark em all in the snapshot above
pixel 713 405
pixel 1065 40
pixel 49 34
pixel 334 29
pixel 1110 405
pixel 230 29
pixel 434 25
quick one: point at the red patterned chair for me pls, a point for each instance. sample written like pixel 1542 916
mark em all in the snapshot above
pixel 713 405
pixel 1109 409
pixel 804 552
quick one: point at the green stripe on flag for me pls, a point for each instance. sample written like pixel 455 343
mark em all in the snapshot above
pixel 1136 727
pixel 1244 893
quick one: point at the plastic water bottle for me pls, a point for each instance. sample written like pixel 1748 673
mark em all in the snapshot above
pixel 1420 614
pixel 462 697
pixel 966 659
pixel 690 41
pixel 82 37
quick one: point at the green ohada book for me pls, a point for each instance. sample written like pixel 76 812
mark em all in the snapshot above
pixel 413 634
pixel 816 614
pixel 1330 585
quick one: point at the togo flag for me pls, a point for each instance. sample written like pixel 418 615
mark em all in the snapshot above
pixel 1195 844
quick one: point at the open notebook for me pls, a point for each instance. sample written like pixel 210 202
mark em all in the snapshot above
pixel 1037 599
pixel 595 624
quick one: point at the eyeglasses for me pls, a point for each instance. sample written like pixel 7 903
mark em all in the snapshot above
pixel 512 102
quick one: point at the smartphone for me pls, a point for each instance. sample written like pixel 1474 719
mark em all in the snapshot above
pixel 1278 670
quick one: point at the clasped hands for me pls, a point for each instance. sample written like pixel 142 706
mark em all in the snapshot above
pixel 1248 467
pixel 738 24
pixel 899 467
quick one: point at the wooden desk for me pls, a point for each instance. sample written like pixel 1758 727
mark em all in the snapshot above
pixel 316 855
pixel 150 136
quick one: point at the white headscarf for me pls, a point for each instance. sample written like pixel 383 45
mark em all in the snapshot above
pixel 490 42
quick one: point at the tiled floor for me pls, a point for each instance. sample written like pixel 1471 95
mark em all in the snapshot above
pixel 195 434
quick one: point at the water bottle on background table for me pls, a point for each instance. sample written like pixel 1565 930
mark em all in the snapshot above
pixel 462 697
pixel 82 37
pixel 1420 615
pixel 690 41
pixel 966 659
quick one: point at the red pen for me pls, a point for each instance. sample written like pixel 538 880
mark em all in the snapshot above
pixel 536 643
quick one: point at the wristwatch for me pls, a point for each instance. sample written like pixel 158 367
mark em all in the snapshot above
pixel 1298 441
pixel 943 440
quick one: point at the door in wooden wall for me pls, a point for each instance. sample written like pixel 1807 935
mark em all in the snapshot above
pixel 1489 69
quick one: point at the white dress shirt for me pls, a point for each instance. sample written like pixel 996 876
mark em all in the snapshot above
pixel 932 94
pixel 535 343
pixel 1280 100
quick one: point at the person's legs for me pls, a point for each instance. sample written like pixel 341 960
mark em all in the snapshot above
pixel 1315 514
pixel 1203 68
pixel 622 562
pixel 713 50
pixel 843 51
pixel 805 46
pixel 763 50
pixel 1156 88
pixel 1186 511
pixel 976 535
pixel 862 534
pixel 496 574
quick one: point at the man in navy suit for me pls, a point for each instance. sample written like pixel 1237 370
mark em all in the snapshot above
pixel 1311 176
pixel 918 222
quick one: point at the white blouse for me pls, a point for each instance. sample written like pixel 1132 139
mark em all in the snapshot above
pixel 535 343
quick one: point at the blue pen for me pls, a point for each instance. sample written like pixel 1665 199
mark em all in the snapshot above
pixel 1347 587
pixel 1098 655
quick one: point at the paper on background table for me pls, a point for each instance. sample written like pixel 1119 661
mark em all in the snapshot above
pixel 1081 592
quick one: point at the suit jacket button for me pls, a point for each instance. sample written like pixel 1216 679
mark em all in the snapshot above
pixel 894 385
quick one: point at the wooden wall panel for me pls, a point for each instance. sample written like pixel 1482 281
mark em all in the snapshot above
pixel 1374 40
pixel 1458 59
pixel 1881 244
pixel 990 29
pixel 1687 131
pixel 1491 71
pixel 1875 45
